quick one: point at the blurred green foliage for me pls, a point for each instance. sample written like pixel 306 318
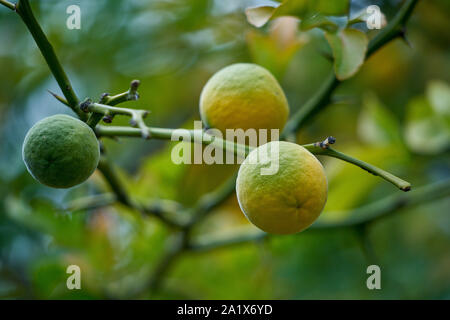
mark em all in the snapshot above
pixel 394 114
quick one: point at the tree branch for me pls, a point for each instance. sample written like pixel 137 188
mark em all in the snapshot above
pixel 198 136
pixel 357 217
pixel 157 211
pixel 313 106
pixel 212 200
pixel 176 246
pixel 195 136
pixel 322 97
pixel 394 29
pixel 8 4
pixel 23 8
pixel 92 202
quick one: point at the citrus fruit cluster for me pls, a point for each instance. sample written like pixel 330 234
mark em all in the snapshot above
pixel 61 151
pixel 244 96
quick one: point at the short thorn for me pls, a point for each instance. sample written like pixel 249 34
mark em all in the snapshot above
pixel 326 143
pixel 330 140
pixel 133 123
pixel 146 135
pixel 327 56
pixel 108 118
pixel 102 147
pixel 84 106
pixel 132 93
pixel 135 84
pixel 104 97
pixel 60 99
pixel 133 96
pixel 404 38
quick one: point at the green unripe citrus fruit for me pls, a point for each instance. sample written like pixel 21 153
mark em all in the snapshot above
pixel 243 96
pixel 287 201
pixel 61 151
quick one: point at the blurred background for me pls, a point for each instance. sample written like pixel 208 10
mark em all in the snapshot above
pixel 394 114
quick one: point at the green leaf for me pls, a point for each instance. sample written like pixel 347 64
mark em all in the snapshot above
pixel 427 129
pixel 363 16
pixel 438 93
pixel 318 21
pixel 330 7
pixel 275 49
pixel 349 48
pixel 260 15
pixel 377 124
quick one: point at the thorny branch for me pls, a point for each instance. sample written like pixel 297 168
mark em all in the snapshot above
pixel 357 217
pixel 105 110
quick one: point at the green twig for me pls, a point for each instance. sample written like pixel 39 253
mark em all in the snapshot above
pixel 106 99
pixel 207 243
pixel 92 202
pixel 59 98
pixel 130 95
pixel 327 151
pixel 312 107
pixel 212 200
pixel 362 234
pixel 205 205
pixel 195 136
pixel 357 217
pixel 394 29
pixel 122 197
pixel 137 116
pixel 382 208
pixel 23 8
pixel 322 97
pixel 116 186
pixel 176 246
pixel 200 137
pixel 8 4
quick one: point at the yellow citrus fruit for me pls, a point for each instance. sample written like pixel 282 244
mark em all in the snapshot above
pixel 287 201
pixel 243 96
